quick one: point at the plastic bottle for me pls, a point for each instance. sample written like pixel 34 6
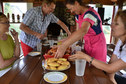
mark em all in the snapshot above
pixel 60 37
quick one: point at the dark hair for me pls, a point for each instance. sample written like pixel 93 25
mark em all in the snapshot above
pixel 48 2
pixel 2 15
pixel 122 46
pixel 72 2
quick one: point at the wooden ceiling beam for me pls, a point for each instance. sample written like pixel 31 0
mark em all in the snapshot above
pixel 120 3
pixel 104 2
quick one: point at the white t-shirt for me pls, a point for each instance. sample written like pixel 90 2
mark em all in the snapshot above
pixel 122 54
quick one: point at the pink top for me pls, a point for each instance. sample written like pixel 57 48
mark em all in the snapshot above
pixel 95 43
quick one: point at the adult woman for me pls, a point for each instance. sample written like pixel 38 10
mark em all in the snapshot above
pixel 9 51
pixel 89 27
pixel 118 59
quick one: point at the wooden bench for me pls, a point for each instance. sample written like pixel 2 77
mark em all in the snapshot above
pixel 110 49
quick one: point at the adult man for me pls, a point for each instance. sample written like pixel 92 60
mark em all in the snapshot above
pixel 35 23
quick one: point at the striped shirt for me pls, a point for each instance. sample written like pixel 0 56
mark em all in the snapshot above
pixel 35 20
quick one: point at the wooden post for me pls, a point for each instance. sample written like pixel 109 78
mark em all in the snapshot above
pixel 1 6
pixel 120 3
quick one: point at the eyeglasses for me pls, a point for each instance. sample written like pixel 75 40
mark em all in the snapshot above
pixel 5 22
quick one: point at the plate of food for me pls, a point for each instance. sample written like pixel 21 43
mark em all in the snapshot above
pixel 55 77
pixel 56 64
pixel 52 51
pixel 34 53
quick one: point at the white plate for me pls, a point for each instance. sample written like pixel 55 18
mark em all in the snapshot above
pixel 59 70
pixel 34 53
pixel 55 77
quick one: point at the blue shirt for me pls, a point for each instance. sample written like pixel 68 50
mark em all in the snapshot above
pixel 35 20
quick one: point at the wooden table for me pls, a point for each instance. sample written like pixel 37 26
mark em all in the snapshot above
pixel 29 71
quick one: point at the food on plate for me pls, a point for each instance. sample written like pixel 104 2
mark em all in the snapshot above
pixel 47 67
pixel 52 60
pixel 59 61
pixel 53 68
pixel 56 64
pixel 52 51
pixel 62 59
pixel 62 67
pixel 65 63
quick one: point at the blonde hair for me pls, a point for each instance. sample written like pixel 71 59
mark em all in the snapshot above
pixel 122 15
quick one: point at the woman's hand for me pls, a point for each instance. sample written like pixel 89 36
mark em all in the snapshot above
pixel 78 55
pixel 69 33
pixel 14 34
pixel 60 51
pixel 17 45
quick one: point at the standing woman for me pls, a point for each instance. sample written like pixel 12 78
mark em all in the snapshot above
pixel 89 25
pixel 118 59
pixel 9 49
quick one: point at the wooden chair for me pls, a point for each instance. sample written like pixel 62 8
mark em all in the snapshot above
pixel 110 49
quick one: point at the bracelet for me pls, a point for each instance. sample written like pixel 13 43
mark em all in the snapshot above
pixel 91 61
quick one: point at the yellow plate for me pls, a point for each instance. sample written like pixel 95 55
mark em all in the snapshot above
pixel 55 77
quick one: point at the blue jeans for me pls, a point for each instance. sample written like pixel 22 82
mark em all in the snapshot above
pixel 120 80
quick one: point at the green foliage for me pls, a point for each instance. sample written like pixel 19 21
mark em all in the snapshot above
pixel 7 9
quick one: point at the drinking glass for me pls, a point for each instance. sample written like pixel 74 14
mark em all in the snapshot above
pixel 51 42
pixel 45 48
pixel 39 47
pixel 80 66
